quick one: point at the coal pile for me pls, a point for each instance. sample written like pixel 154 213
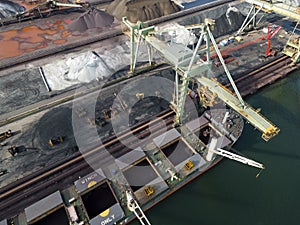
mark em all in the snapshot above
pixel 21 88
pixel 227 20
pixel 94 18
pixel 141 10
pixel 53 124
pixel 8 9
pixel 228 23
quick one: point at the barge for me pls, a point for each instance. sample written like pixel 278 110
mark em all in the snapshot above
pixel 147 175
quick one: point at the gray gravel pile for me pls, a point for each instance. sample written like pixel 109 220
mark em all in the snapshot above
pixel 142 10
pixel 20 89
pixel 9 8
pixel 228 23
pixel 227 20
pixel 94 18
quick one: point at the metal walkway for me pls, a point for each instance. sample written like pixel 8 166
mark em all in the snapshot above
pixel 251 115
pixel 188 64
pixel 277 7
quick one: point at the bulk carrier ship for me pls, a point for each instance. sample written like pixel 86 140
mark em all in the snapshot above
pixel 123 188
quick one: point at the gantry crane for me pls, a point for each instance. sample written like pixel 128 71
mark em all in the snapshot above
pixel 292 48
pixel 188 65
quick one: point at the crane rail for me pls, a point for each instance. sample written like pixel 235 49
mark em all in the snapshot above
pixel 117 31
pixel 264 75
pixel 12 195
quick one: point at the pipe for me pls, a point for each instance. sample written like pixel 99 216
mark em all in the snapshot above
pixel 44 79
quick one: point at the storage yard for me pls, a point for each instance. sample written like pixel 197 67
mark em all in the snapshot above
pixel 91 105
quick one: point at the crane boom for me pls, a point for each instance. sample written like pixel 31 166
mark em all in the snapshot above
pixel 134 207
pixel 237 157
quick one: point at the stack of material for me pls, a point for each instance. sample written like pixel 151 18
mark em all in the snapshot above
pixel 227 19
pixel 141 10
pixel 94 18
pixel 228 22
pixel 8 8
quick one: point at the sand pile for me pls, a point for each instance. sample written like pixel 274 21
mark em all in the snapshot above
pixel 142 10
pixel 8 8
pixel 94 18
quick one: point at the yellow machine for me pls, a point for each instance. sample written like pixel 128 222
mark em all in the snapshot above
pixel 5 135
pixel 189 165
pixel 55 141
pixel 149 191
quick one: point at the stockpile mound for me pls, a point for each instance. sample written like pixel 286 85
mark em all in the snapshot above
pixel 141 10
pixel 92 19
pixel 8 8
pixel 228 19
pixel 229 22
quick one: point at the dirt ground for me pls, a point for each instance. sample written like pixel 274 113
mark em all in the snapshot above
pixel 33 137
pixel 25 87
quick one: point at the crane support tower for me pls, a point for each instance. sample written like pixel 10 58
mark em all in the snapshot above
pixel 190 66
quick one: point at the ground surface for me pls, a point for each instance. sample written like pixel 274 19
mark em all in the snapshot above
pixel 25 87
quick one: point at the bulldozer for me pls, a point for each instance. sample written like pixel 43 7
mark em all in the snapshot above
pixel 5 135
pixel 14 150
pixel 55 141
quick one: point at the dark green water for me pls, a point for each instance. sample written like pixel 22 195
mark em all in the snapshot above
pixel 230 193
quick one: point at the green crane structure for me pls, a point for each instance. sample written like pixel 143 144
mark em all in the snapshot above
pixel 189 66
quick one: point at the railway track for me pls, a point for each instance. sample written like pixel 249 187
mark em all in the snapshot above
pixel 71 95
pixel 264 75
pixel 117 31
pixel 16 193
pixel 39 12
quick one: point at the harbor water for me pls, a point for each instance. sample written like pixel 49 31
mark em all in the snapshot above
pixel 230 193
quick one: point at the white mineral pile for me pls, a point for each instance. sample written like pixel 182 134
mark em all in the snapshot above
pixel 176 33
pixel 85 67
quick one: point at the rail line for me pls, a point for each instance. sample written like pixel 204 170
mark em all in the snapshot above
pixel 13 193
pixel 5 63
pixel 264 75
pixel 9 196
pixel 37 12
pixel 70 95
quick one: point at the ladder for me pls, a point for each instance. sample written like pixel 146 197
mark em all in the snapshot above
pixel 134 207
